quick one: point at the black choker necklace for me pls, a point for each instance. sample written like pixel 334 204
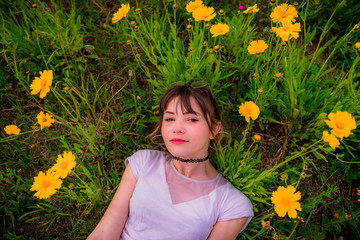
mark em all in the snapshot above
pixel 191 160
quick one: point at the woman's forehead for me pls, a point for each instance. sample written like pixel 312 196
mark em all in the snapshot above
pixel 184 105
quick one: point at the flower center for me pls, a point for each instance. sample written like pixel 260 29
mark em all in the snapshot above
pixel 285 202
pixel 46 184
pixel 44 82
pixel 340 125
pixel 248 111
pixel 284 14
pixel 64 165
pixel 44 120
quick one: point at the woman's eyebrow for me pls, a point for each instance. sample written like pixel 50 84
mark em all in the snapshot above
pixel 169 112
pixel 187 113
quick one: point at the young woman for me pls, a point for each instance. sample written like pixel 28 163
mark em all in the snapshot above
pixel 177 194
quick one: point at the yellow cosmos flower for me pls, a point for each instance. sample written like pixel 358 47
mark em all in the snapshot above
pixel 192 6
pixel 286 201
pixel 45 185
pixel 121 13
pixel 249 110
pixel 257 137
pixel 204 13
pixel 284 12
pixel 256 47
pixel 12 129
pixel 288 30
pixel 64 164
pixel 219 29
pixel 42 84
pixel 252 9
pixel 45 120
pixel 357 45
pixel 331 139
pixel 341 123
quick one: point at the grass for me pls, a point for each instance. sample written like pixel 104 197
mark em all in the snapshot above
pixel 107 82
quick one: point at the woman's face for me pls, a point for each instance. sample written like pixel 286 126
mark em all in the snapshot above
pixel 186 135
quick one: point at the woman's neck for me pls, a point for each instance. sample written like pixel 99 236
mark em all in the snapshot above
pixel 198 171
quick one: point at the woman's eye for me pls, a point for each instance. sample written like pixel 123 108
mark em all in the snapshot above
pixel 193 120
pixel 168 119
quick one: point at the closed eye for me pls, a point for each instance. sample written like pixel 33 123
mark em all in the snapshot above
pixel 193 120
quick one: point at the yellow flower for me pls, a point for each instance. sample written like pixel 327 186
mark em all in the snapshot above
pixel 287 29
pixel 64 164
pixel 249 109
pixel 257 137
pixel 45 120
pixel 357 45
pixel 284 12
pixel 192 6
pixel 219 29
pixel 42 84
pixel 256 47
pixel 260 90
pixel 286 201
pixel 252 9
pixel 331 139
pixel 341 123
pixel 45 185
pixel 12 129
pixel 204 13
pixel 121 13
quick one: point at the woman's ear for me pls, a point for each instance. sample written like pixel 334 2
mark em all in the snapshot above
pixel 216 130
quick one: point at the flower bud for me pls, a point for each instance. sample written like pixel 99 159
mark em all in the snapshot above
pixel 257 137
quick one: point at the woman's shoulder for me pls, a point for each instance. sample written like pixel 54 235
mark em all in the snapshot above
pixel 231 193
pixel 234 203
pixel 145 160
pixel 149 154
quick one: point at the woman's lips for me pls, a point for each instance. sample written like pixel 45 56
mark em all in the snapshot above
pixel 178 141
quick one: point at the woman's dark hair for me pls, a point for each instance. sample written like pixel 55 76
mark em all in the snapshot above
pixel 208 105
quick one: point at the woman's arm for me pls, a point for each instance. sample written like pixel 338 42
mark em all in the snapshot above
pixel 227 230
pixel 114 219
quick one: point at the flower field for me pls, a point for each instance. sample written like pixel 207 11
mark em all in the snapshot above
pixel 80 83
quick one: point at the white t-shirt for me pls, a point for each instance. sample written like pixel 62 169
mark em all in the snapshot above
pixel 168 205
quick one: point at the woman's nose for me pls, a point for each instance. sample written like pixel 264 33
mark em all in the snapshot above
pixel 178 127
